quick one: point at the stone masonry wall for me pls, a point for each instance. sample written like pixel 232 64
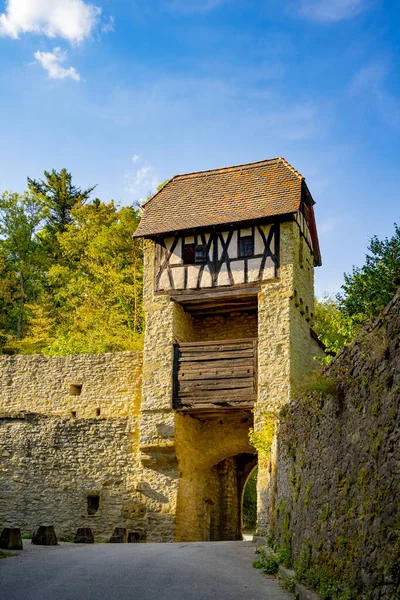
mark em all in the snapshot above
pixel 285 350
pixel 338 467
pixel 58 448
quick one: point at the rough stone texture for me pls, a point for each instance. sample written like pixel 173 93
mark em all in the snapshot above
pixel 11 539
pixel 41 384
pixel 45 536
pixel 52 462
pixel 338 466
pixel 285 349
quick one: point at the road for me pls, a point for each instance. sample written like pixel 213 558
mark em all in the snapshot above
pixel 182 571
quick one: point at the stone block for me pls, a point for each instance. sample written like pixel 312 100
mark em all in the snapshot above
pixel 10 538
pixel 135 537
pixel 119 536
pixel 84 535
pixel 45 536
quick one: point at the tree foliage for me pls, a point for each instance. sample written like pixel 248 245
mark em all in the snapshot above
pixel 334 327
pixel 366 292
pixel 369 288
pixel 71 276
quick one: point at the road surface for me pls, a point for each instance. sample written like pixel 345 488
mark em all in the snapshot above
pixel 182 571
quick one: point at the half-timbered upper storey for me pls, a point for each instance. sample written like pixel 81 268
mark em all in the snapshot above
pixel 220 228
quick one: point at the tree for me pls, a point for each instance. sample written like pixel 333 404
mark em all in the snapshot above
pixel 22 261
pixel 60 197
pixel 334 327
pixel 369 288
pixel 95 305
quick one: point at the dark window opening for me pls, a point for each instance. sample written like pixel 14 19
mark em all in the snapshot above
pixel 200 254
pixel 98 411
pixel 93 503
pixel 188 254
pixel 73 413
pixel 246 246
pixel 75 389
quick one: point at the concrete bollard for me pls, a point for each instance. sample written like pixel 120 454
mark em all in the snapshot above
pixel 11 539
pixel 45 536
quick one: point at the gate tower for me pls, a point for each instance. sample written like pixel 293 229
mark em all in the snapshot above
pixel 228 298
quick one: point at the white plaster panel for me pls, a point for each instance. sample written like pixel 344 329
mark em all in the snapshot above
pixel 178 275
pixel 189 239
pixel 164 281
pixel 253 268
pixel 206 278
pixel 223 277
pixel 244 232
pixel 225 235
pixel 176 256
pixel 237 268
pixel 193 274
pixel 219 249
pixel 233 249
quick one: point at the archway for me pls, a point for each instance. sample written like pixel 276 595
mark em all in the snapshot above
pixel 249 503
pixel 227 484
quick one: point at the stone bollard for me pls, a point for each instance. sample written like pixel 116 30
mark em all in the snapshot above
pixel 135 537
pixel 119 536
pixel 11 539
pixel 84 535
pixel 45 536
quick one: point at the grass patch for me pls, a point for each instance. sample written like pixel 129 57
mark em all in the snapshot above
pixel 6 554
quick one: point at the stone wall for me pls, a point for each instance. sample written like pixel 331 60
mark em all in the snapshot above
pixel 338 461
pixel 59 447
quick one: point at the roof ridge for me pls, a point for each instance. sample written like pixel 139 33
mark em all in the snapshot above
pixel 285 162
pixel 206 171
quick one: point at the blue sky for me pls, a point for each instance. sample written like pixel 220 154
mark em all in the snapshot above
pixel 127 93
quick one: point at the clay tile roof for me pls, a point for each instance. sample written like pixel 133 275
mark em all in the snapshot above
pixel 222 196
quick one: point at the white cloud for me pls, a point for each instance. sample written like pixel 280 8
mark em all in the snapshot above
pixel 109 26
pixel 329 10
pixel 142 183
pixel 51 62
pixel 69 19
pixel 370 85
pixel 135 158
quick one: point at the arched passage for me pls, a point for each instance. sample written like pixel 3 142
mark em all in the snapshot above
pixel 249 502
pixel 215 458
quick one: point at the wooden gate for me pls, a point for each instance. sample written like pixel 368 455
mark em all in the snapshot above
pixel 220 374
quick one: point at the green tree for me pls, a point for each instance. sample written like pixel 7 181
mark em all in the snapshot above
pixel 369 288
pixel 22 261
pixel 95 305
pixel 60 197
pixel 334 327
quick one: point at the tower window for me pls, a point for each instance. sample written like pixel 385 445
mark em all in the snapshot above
pixel 188 254
pixel 246 246
pixel 194 254
pixel 200 254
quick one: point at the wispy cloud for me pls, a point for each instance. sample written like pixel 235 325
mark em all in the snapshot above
pixel 196 6
pixel 141 183
pixel 72 20
pixel 328 10
pixel 51 62
pixel 109 26
pixel 370 84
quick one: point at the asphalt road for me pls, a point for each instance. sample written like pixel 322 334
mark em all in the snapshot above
pixel 193 571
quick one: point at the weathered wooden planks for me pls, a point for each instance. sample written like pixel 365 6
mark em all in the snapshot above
pixel 215 373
